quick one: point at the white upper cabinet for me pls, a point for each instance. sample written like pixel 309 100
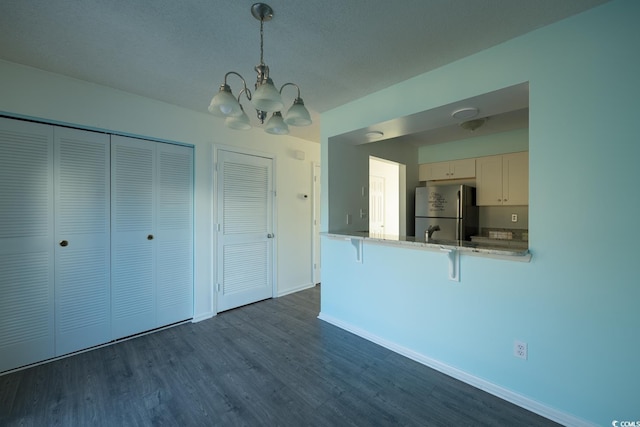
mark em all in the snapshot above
pixel 454 169
pixel 502 180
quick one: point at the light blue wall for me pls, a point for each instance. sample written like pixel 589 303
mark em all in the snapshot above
pixel 577 303
pixel 512 141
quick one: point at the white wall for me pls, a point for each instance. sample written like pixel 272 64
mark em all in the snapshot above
pixel 576 302
pixel 31 93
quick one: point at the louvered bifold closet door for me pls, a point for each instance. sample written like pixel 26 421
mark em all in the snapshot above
pixel 174 233
pixel 82 268
pixel 26 243
pixel 245 240
pixel 133 268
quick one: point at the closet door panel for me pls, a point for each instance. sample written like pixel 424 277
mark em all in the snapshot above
pixel 26 243
pixel 133 254
pixel 82 275
pixel 175 233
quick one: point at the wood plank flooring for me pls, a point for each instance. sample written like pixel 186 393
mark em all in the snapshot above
pixel 272 363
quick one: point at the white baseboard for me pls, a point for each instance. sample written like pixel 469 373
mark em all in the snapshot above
pixel 296 289
pixel 203 316
pixel 482 384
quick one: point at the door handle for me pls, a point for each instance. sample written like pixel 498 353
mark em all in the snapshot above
pixel 270 236
pixel 64 243
pixel 150 237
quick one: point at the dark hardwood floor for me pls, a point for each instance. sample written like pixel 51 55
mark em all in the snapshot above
pixel 272 363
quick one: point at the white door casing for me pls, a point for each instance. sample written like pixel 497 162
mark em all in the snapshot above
pixel 317 266
pixel 245 238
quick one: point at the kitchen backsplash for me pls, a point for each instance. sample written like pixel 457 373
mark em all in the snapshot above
pixel 505 233
pixel 500 217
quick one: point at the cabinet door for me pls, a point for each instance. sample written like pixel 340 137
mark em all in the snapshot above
pixel 489 181
pixel 174 236
pixel 462 168
pixel 434 171
pixel 26 243
pixel 82 282
pixel 133 269
pixel 515 179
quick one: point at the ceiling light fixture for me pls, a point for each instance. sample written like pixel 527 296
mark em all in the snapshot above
pixel 473 124
pixel 465 113
pixel 266 98
pixel 374 135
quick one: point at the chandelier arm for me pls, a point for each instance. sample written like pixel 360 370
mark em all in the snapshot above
pixel 246 92
pixel 245 89
pixel 291 84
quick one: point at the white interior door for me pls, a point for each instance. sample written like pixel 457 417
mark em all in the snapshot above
pixel 245 241
pixel 26 243
pixel 133 252
pixel 82 235
pixel 376 204
pixel 174 238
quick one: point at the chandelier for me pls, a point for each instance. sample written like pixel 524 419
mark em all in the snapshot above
pixel 266 98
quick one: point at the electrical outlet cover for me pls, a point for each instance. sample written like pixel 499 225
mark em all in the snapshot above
pixel 520 350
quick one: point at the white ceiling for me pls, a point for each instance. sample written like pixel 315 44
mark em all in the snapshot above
pixel 336 50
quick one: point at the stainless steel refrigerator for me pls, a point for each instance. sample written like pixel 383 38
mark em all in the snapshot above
pixel 449 209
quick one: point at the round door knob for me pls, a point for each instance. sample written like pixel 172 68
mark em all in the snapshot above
pixel 270 236
pixel 64 243
pixel 150 237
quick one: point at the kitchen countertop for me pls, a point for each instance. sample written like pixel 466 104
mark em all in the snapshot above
pixel 462 246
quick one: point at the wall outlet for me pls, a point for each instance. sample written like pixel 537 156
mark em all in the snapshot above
pixel 520 350
pixel 514 217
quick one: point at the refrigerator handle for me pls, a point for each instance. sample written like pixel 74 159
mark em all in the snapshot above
pixel 458 216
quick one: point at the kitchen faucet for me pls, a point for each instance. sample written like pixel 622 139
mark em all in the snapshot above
pixel 432 229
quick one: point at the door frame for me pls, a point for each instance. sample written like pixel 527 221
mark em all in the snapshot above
pixel 316 270
pixel 215 221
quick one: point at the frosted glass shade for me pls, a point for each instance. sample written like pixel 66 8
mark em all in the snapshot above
pixel 298 115
pixel 224 104
pixel 267 98
pixel 276 125
pixel 240 122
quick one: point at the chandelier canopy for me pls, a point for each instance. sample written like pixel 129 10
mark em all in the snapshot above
pixel 265 99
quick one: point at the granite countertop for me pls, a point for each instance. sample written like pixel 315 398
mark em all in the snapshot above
pixel 460 245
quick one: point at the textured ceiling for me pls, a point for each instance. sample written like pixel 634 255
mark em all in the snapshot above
pixel 336 50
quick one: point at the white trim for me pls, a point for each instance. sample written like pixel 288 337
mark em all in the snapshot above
pixel 480 383
pixel 203 316
pixel 315 236
pixel 296 289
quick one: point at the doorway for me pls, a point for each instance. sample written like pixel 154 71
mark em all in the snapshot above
pixel 387 197
pixel 245 238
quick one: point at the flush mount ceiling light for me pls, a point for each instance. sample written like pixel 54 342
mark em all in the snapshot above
pixel 373 135
pixel 465 113
pixel 473 124
pixel 266 98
